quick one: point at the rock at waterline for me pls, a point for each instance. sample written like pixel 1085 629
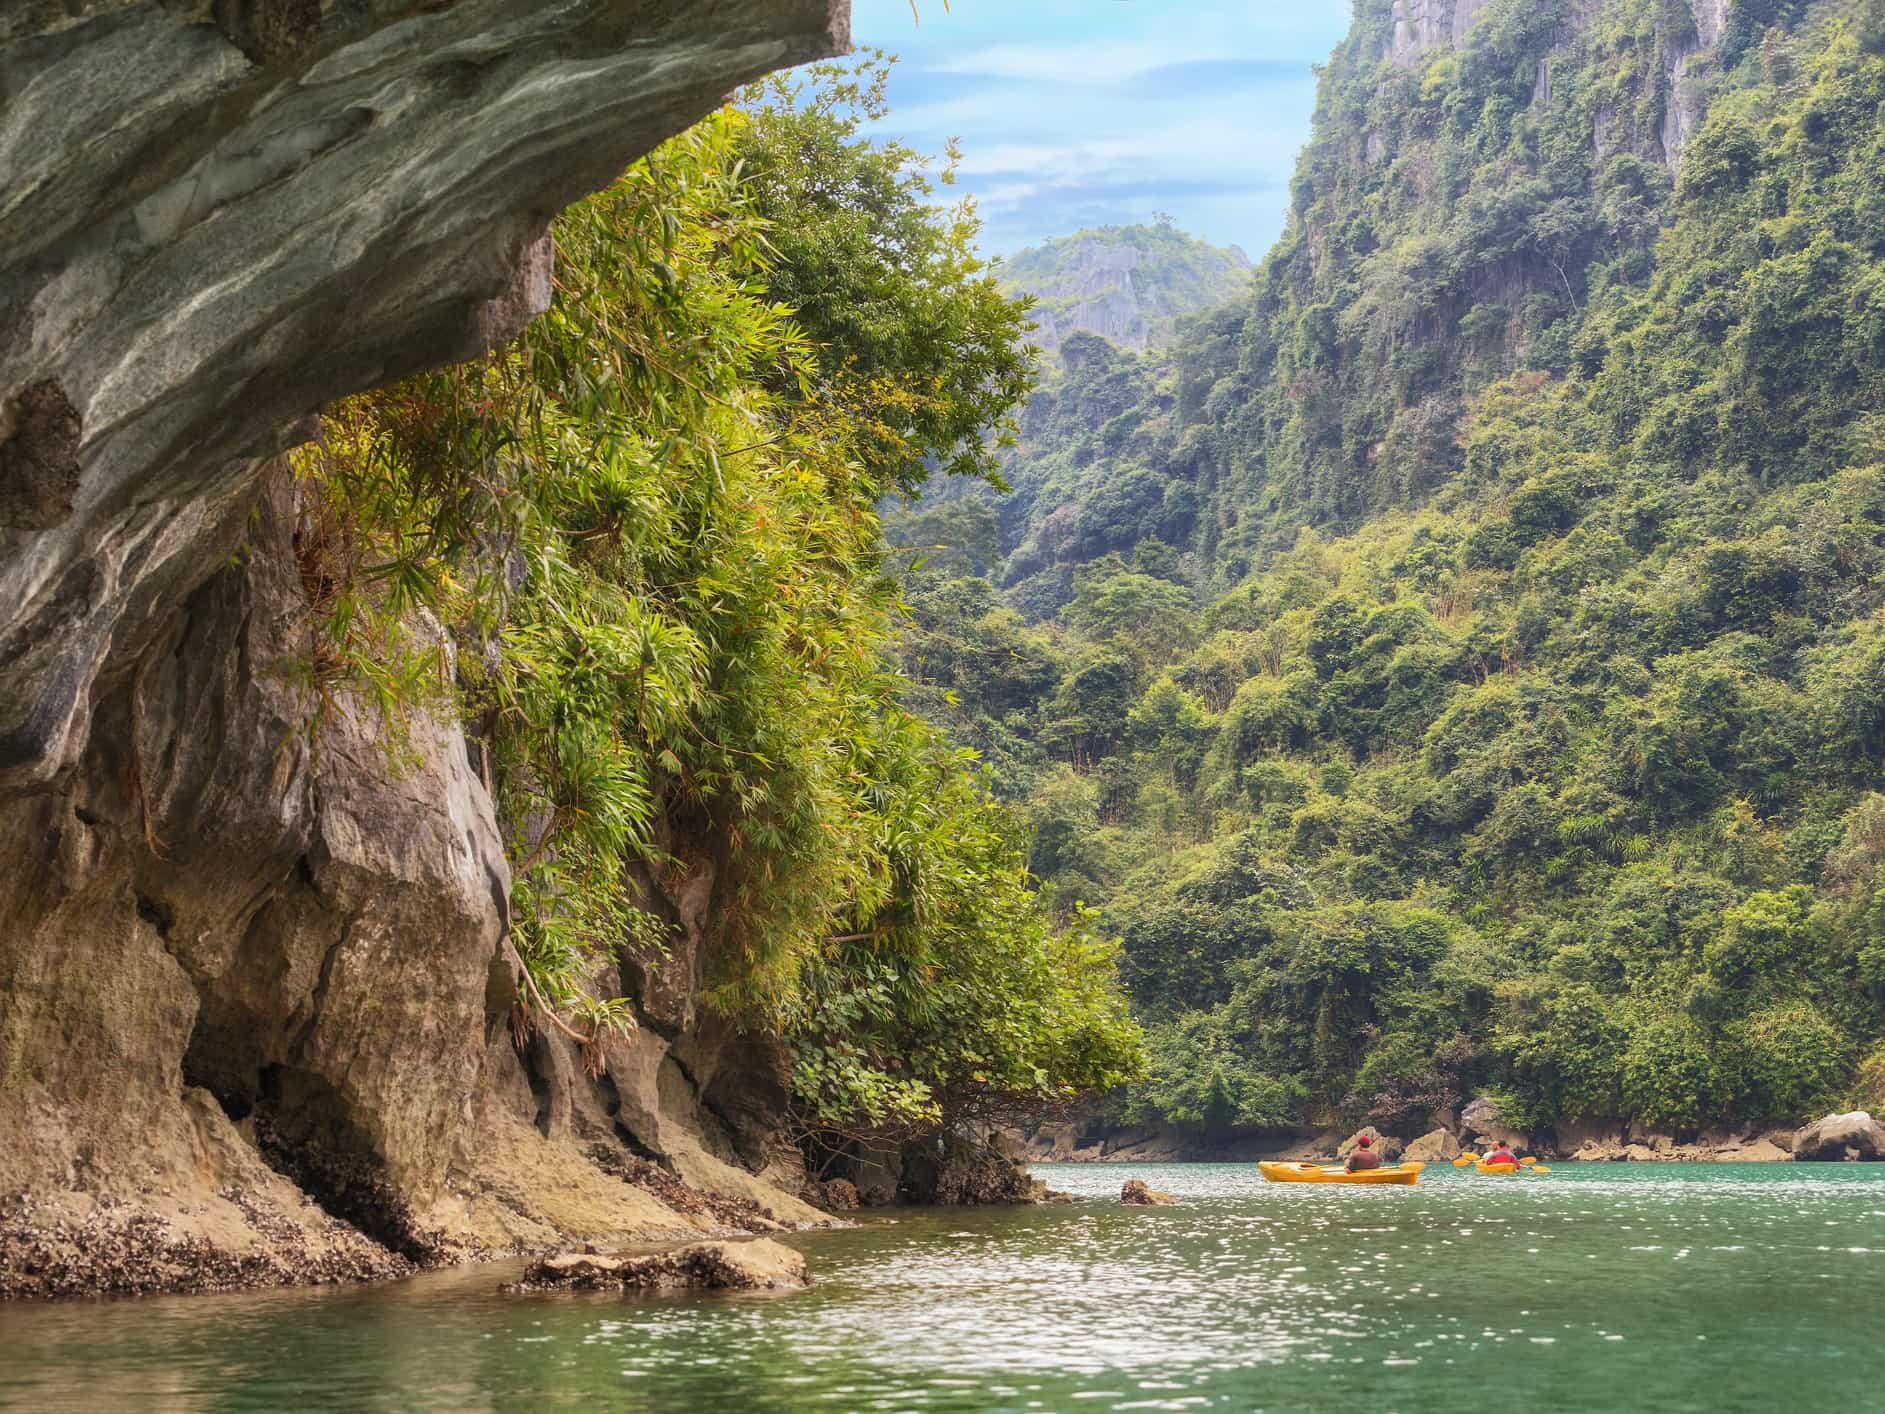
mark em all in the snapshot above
pixel 758 1265
pixel 1856 1135
pixel 1437 1147
pixel 1386 1145
pixel 1137 1193
pixel 1482 1122
pixel 840 1195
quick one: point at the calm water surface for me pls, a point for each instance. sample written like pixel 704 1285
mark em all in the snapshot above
pixel 1613 1286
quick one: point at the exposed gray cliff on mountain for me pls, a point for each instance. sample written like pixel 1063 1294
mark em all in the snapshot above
pixel 256 999
pixel 1686 44
pixel 1128 284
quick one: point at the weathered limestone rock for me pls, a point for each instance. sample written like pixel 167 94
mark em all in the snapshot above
pixel 215 218
pixel 1420 27
pixel 1146 1146
pixel 1441 1146
pixel 705 1266
pixel 1480 1124
pixel 1848 1136
pixel 1675 91
pixel 840 1195
pixel 1590 1140
pixel 208 908
pixel 973 1166
pixel 1754 1151
pixel 1386 1145
pixel 1136 1193
pixel 966 1169
pixel 1053 1143
pixel 1781 1139
pixel 256 1002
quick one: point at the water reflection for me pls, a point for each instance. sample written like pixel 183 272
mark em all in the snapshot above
pixel 1598 1287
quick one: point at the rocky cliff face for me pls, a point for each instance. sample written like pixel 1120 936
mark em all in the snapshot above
pixel 218 215
pixel 256 1003
pixel 1416 30
pixel 1422 26
pixel 257 1010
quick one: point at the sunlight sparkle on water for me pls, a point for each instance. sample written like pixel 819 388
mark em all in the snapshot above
pixel 1246 1296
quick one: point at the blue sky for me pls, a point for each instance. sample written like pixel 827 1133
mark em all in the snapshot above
pixel 1092 112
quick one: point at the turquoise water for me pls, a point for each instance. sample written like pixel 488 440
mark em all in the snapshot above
pixel 1613 1286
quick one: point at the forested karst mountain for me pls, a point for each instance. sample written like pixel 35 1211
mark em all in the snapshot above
pixel 1129 284
pixel 1454 667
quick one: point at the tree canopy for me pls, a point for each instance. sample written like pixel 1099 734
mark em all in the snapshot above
pixel 650 526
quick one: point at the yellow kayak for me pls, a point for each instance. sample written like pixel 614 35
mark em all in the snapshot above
pixel 1324 1173
pixel 1485 1167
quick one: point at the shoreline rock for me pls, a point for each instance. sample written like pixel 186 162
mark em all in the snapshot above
pixel 1578 1140
pixel 1386 1145
pixel 756 1265
pixel 1482 1126
pixel 1837 1138
pixel 1136 1194
pixel 66 1247
pixel 1440 1146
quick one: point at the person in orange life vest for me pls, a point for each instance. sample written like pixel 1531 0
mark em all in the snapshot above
pixel 1363 1156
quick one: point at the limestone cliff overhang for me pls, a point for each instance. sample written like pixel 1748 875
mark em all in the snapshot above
pixel 217 215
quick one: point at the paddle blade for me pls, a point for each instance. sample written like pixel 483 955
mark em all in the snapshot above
pixel 1528 1161
pixel 1538 1168
pixel 1415 1166
pixel 1462 1161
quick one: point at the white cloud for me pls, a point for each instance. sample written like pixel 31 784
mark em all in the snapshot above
pixel 1191 145
pixel 1085 63
pixel 1072 112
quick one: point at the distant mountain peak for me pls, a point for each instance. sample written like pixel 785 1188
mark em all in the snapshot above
pixel 1128 284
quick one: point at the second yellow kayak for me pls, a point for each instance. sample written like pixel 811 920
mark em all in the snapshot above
pixel 1485 1167
pixel 1325 1173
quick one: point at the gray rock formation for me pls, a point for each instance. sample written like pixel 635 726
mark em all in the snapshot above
pixel 1419 29
pixel 256 1003
pixel 1134 1193
pixel 1481 1124
pixel 1439 1146
pixel 1386 1145
pixel 1422 26
pixel 216 217
pixel 1836 1137
pixel 257 1006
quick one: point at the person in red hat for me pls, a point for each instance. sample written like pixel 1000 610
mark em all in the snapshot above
pixel 1363 1155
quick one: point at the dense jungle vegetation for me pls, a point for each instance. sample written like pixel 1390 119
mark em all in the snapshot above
pixel 1458 666
pixel 651 526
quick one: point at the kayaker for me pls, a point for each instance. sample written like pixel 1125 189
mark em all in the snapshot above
pixel 1363 1155
pixel 1502 1155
